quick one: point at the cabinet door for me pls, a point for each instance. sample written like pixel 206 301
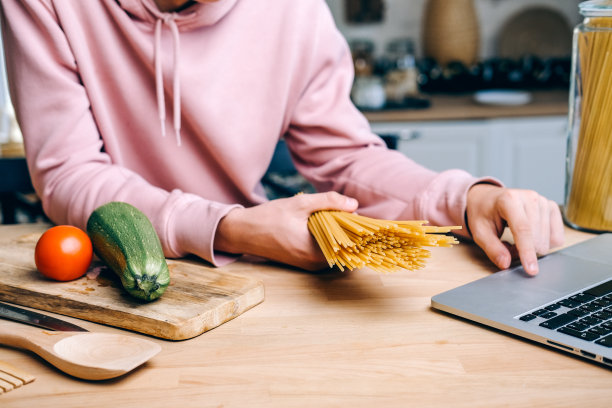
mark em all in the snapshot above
pixel 442 145
pixel 535 157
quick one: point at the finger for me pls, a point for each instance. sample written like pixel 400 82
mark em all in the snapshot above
pixel 542 238
pixel 485 236
pixel 557 231
pixel 536 209
pixel 514 213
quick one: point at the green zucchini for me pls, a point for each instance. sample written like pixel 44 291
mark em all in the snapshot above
pixel 124 239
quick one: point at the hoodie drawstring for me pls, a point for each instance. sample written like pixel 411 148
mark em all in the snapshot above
pixel 159 84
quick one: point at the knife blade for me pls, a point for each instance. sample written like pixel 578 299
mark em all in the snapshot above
pixel 18 314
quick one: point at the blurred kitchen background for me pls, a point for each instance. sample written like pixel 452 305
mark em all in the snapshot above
pixel 461 45
pixel 480 85
pixel 382 21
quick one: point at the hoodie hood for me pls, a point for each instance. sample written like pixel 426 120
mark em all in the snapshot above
pixel 195 16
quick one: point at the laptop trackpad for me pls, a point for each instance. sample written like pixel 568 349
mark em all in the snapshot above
pixel 512 291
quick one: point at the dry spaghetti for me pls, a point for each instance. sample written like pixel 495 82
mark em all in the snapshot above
pixel 353 241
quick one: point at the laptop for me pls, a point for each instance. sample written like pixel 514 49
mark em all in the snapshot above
pixel 568 305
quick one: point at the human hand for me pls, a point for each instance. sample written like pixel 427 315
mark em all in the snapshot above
pixel 535 223
pixel 278 230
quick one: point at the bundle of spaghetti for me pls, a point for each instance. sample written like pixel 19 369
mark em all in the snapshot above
pixel 352 241
pixel 589 203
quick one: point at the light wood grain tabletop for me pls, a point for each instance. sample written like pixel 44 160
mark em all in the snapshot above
pixel 352 339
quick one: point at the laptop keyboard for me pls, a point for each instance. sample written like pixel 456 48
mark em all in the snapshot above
pixel 586 315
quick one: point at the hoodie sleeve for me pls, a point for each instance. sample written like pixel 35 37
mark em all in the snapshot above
pixel 335 149
pixel 70 171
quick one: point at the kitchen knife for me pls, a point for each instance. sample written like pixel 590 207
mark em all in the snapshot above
pixel 26 316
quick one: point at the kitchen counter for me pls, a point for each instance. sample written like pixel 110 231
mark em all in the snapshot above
pixel 458 107
pixel 357 339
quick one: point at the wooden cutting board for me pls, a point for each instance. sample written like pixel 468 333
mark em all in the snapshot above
pixel 198 298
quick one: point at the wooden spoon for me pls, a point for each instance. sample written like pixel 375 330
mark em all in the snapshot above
pixel 87 355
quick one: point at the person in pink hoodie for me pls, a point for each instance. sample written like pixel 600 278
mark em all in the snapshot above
pixel 176 107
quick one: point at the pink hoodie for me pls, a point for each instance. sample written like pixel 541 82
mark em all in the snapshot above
pixel 92 81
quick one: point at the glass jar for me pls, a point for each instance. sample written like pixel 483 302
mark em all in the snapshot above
pixel 588 184
pixel 368 92
pixel 401 79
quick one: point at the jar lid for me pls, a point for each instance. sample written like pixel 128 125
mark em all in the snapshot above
pixel 596 8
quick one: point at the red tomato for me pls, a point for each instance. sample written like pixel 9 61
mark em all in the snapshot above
pixel 63 253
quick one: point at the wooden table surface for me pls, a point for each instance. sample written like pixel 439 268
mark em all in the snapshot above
pixel 356 339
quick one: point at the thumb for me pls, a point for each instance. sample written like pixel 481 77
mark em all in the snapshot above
pixel 328 201
pixel 486 238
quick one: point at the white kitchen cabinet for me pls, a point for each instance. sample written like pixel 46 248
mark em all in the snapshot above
pixel 523 152
pixel 534 154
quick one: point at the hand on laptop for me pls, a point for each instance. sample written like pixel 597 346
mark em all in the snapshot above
pixel 535 222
